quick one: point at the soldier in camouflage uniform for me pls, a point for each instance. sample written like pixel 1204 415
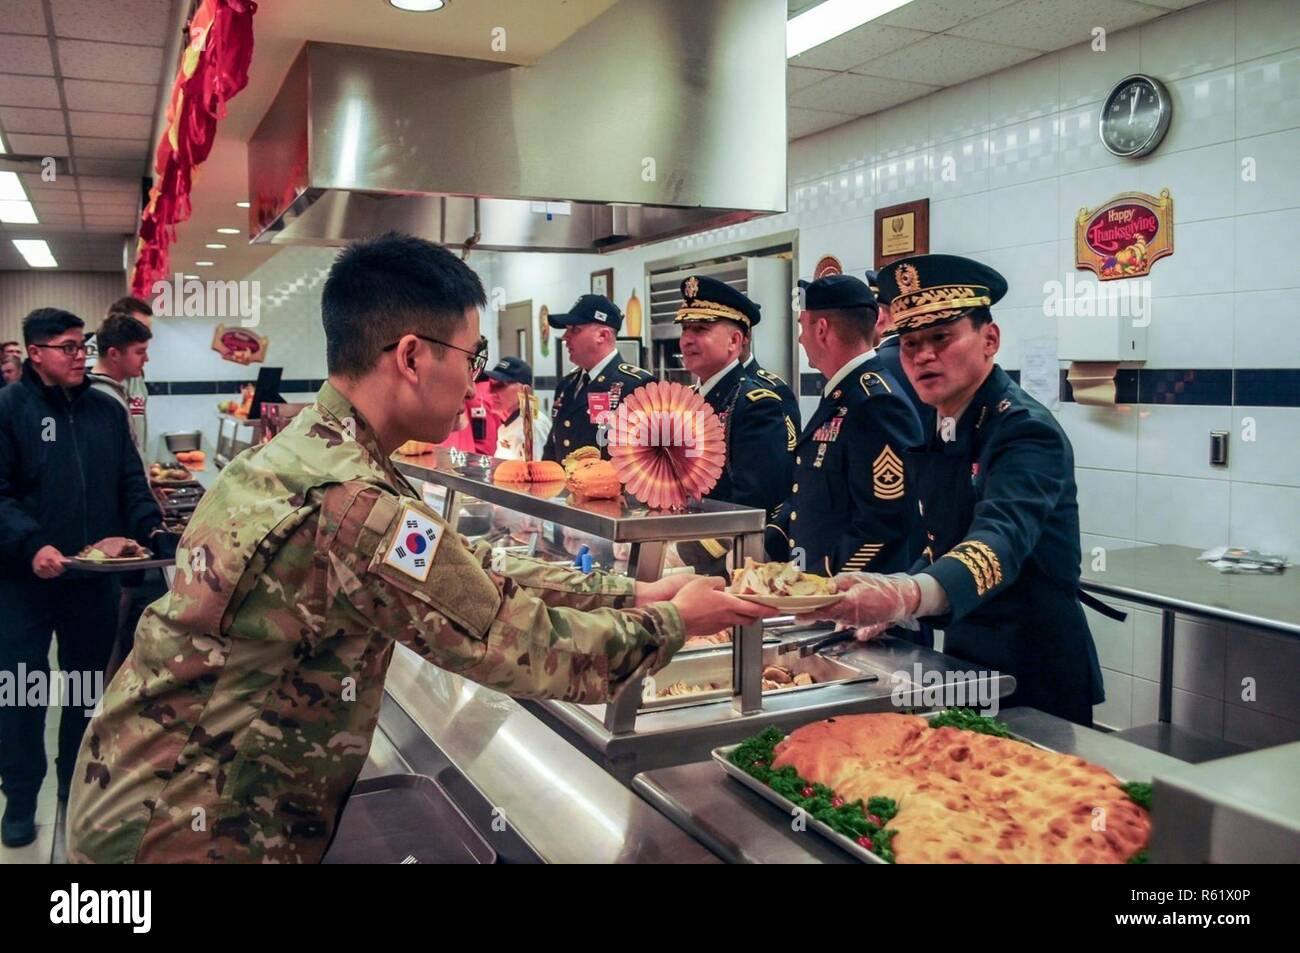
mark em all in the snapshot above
pixel 239 723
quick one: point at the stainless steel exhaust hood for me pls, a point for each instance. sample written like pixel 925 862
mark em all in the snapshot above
pixel 658 118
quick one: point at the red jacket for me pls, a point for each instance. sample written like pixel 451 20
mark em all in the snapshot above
pixel 481 434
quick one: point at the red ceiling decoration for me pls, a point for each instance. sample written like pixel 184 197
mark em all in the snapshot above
pixel 213 68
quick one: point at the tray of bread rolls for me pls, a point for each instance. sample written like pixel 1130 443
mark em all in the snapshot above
pixel 945 787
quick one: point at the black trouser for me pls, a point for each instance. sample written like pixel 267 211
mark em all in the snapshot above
pixel 83 612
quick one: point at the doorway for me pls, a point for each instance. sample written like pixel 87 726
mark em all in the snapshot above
pixel 515 331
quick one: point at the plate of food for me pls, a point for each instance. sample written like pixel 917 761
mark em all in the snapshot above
pixel 169 473
pixel 132 554
pixel 783 586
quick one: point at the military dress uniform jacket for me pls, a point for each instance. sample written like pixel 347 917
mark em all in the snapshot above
pixel 789 402
pixel 849 508
pixel 237 726
pixel 1001 519
pixel 580 401
pixel 759 463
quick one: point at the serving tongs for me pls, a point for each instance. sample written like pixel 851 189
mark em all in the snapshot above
pixel 815 643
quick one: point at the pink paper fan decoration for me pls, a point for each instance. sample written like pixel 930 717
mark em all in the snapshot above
pixel 667 445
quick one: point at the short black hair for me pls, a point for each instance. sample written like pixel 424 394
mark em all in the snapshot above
pixel 45 324
pixel 979 316
pixel 381 288
pixel 851 324
pixel 130 305
pixel 120 331
pixel 5 344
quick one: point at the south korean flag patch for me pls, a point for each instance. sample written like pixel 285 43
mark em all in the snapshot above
pixel 414 544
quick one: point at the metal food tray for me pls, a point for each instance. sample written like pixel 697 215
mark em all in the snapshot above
pixel 406 819
pixel 723 757
pixel 714 666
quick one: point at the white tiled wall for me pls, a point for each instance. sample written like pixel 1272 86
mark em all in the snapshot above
pixel 181 349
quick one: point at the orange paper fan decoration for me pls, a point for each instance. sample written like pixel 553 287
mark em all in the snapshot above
pixel 667 445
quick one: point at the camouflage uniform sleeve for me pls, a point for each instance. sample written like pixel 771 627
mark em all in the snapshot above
pixel 558 585
pixel 482 625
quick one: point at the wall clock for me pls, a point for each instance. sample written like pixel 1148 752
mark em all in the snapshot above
pixel 1135 116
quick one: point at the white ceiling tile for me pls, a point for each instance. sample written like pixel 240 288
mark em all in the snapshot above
pixel 121 21
pixel 94 183
pixel 804 122
pixel 857 95
pixel 1174 4
pixel 109 216
pixel 110 227
pixel 117 168
pixel 24 16
pixel 112 200
pixel 110 125
pixel 46 209
pixel 97 96
pixel 1053 24
pixel 112 62
pixel 133 149
pixel 26 54
pixel 40 92
pixel 857 47
pixel 946 60
pixel 37 145
pixel 46 192
pixel 798 77
pixel 33 180
pixel 48 122
pixel 935 16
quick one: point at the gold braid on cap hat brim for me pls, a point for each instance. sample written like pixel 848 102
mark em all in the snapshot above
pixel 920 309
pixel 711 311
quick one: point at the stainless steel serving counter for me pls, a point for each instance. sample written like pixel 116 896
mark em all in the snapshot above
pixel 527 780
pixel 902 671
pixel 741 827
pixel 1170 578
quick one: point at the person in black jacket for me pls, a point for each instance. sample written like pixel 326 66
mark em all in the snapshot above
pixel 849 509
pixel 999 573
pixel 715 320
pixel 69 477
pixel 599 381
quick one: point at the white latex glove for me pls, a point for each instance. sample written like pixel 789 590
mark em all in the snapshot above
pixel 871 599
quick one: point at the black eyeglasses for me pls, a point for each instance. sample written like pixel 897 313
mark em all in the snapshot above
pixel 478 357
pixel 72 350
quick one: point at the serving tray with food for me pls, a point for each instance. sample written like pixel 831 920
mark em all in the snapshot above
pixel 170 474
pixel 706 676
pixel 133 556
pixel 946 787
pixel 782 586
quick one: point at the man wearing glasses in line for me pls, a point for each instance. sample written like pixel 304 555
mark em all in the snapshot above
pixel 253 691
pixel 69 477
